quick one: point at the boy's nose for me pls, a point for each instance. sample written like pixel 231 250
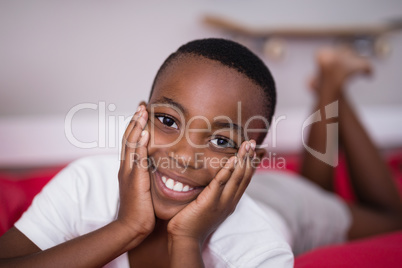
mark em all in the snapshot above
pixel 187 153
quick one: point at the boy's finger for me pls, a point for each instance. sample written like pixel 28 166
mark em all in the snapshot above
pixel 139 125
pixel 234 181
pixel 248 173
pixel 141 155
pixel 126 134
pixel 245 146
pixel 133 143
pixel 218 183
pixel 132 121
pixel 245 180
pixel 248 150
pixel 130 142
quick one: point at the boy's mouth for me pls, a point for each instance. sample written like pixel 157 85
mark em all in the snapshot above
pixel 175 187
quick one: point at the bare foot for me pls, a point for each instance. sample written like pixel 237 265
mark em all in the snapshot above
pixel 336 65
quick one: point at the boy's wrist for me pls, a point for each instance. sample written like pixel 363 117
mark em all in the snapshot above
pixel 133 236
pixel 185 252
pixel 184 242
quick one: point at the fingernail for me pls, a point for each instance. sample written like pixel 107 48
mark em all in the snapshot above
pixel 247 146
pixel 142 139
pixel 235 160
pixel 252 145
pixel 139 108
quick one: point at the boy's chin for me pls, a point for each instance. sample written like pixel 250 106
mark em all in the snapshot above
pixel 167 212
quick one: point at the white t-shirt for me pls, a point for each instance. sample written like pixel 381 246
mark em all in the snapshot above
pixel 85 196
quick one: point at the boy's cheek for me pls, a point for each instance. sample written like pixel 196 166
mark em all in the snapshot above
pixel 215 164
pixel 158 141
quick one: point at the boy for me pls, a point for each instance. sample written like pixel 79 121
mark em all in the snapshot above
pixel 171 194
pixel 160 213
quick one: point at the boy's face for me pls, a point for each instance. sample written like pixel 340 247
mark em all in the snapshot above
pixel 194 114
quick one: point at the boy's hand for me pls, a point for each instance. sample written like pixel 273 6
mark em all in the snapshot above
pixel 136 210
pixel 217 201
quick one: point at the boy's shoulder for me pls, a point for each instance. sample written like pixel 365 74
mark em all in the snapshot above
pixel 103 162
pixel 81 198
pixel 92 178
pixel 93 170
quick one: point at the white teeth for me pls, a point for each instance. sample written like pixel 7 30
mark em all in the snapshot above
pixel 175 186
pixel 170 184
pixel 185 188
pixel 178 187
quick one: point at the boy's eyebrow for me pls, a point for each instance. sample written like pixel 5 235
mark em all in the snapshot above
pixel 233 126
pixel 166 100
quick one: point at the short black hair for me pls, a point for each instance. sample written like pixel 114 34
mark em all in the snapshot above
pixel 232 55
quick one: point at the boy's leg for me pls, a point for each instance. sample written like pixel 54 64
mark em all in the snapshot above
pixel 334 68
pixel 313 168
pixel 379 207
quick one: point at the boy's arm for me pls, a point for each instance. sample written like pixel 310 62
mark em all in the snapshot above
pixel 94 249
pixel 379 207
pixel 134 222
pixel 185 252
pixel 190 227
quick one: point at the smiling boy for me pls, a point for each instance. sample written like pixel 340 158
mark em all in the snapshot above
pixel 145 214
pixel 176 199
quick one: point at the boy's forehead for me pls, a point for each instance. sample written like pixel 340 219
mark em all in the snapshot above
pixel 209 87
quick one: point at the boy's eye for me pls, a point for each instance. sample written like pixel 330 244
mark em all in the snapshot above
pixel 167 121
pixel 223 143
